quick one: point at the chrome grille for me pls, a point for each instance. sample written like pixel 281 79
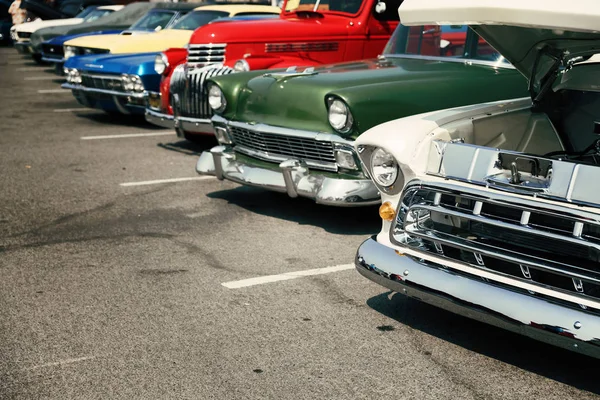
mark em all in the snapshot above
pixel 205 54
pixel 190 88
pixel 105 82
pixel 274 147
pixel 553 249
pixel 24 35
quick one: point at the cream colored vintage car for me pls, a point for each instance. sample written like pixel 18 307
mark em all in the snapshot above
pixel 492 210
pixel 177 35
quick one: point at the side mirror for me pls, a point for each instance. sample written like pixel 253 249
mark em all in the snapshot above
pixel 380 7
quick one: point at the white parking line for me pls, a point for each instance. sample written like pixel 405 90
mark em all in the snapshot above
pixel 159 181
pixel 41 78
pixel 45 91
pixel 128 135
pixel 286 276
pixel 69 109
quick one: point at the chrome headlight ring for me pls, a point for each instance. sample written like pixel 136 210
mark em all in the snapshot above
pixel 382 167
pixel 241 66
pixel 161 63
pixel 339 115
pixel 216 98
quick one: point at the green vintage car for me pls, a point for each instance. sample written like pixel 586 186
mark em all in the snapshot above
pixel 292 130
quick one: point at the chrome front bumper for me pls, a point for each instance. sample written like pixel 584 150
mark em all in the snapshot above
pixel 159 119
pixel 293 178
pixel 471 297
pixel 53 59
pixel 191 125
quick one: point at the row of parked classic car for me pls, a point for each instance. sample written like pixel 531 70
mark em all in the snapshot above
pixel 480 142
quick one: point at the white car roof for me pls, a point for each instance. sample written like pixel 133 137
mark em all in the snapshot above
pixel 572 15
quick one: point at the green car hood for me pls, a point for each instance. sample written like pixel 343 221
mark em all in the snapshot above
pixel 375 90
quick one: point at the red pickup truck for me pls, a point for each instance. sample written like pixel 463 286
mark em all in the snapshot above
pixel 307 33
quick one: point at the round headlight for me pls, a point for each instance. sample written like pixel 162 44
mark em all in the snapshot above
pixel 384 168
pixel 216 99
pixel 127 82
pixel 69 52
pixel 75 76
pixel 339 116
pixel 241 66
pixel 160 63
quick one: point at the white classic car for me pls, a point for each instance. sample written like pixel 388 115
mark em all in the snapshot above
pixel 492 210
pixel 21 33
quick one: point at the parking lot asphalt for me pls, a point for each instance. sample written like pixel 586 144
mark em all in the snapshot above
pixel 112 280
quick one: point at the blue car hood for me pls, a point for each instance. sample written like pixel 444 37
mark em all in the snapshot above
pixel 60 40
pixel 138 64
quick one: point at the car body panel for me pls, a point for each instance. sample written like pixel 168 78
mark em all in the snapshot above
pixel 376 90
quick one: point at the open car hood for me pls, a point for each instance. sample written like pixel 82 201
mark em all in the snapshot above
pixel 518 29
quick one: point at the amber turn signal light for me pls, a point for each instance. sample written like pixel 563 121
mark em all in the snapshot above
pixel 387 212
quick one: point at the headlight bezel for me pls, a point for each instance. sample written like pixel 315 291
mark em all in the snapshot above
pixel 162 60
pixel 339 107
pixel 365 154
pixel 382 157
pixel 213 96
pixel 241 66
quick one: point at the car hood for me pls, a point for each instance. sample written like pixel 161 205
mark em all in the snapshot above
pixel 39 24
pixel 299 100
pixel 517 29
pixel 261 31
pixel 119 44
pixel 60 40
pixel 138 64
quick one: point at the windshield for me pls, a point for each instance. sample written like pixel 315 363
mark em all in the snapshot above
pixel 452 41
pixel 345 6
pixel 94 15
pixel 198 18
pixel 154 20
pixel 86 11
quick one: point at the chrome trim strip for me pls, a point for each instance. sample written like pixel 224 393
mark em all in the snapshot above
pixel 570 328
pixel 159 119
pixel 321 136
pixel 505 225
pixel 103 91
pixel 53 60
pixel 500 254
pixel 503 198
pixel 467 61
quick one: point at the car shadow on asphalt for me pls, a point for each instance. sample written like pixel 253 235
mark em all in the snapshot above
pixel 337 220
pixel 189 148
pixel 101 117
pixel 542 359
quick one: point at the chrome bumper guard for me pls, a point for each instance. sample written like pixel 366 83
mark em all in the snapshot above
pixel 293 178
pixel 534 317
pixel 159 119
pixel 185 124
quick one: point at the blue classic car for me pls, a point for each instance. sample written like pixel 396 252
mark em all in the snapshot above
pixel 120 83
pixel 5 22
pixel 113 83
pixel 162 16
